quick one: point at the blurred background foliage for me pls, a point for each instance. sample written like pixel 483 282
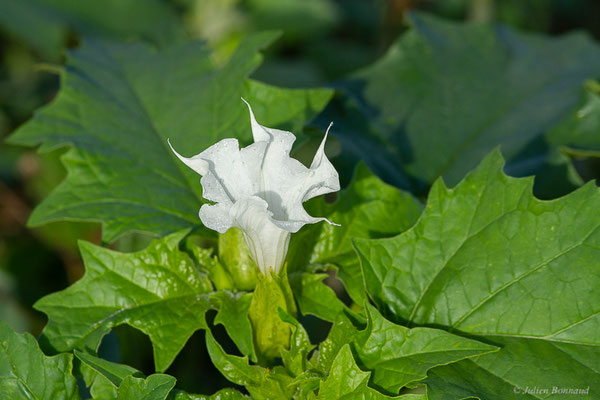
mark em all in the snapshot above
pixel 321 41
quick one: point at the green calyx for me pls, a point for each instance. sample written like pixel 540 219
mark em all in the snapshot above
pixel 237 260
pixel 271 334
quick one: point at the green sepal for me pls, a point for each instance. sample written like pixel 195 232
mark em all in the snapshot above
pixel 271 334
pixel 236 259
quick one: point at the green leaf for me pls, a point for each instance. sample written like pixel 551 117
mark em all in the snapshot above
pixel 154 387
pixel 488 259
pixel 504 372
pixel 579 131
pixel 45 24
pixel 158 291
pixel 127 382
pixel 464 380
pixel 295 358
pixel 399 356
pixel 223 394
pixel 367 208
pixel 447 93
pixel 233 315
pixel 314 297
pixel 26 373
pixel 347 381
pixel 114 372
pixel 118 105
pixel 261 383
pixel 342 332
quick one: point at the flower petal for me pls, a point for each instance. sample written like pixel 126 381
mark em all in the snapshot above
pixel 216 217
pixel 267 242
pixel 196 163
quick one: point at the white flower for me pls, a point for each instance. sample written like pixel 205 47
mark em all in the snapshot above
pixel 260 189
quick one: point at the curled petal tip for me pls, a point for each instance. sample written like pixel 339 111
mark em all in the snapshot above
pixel 328 128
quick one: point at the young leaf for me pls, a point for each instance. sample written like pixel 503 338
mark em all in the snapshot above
pixel 26 373
pixel 233 315
pixel 154 387
pixel 118 105
pixel 314 297
pixel 158 291
pixel 399 356
pixel 347 381
pixel 447 93
pixel 295 358
pixel 342 332
pixel 223 394
pixel 114 372
pixel 260 382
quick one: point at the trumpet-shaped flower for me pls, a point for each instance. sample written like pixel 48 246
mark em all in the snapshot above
pixel 260 189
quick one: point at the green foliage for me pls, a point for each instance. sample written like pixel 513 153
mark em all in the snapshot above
pixel 118 105
pixel 579 131
pixel 446 94
pixel 366 208
pixel 26 373
pixel 347 381
pixel 488 259
pixel 45 23
pixel 158 291
pixel 483 292
pixel 262 383
pixel 399 356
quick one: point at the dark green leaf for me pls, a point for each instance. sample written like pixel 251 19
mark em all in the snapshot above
pixel 447 93
pixel 579 131
pixel 45 23
pixel 158 291
pixel 26 373
pixel 118 105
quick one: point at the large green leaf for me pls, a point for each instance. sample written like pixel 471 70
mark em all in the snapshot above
pixel 367 208
pixel 488 259
pixel 118 105
pixel 550 368
pixel 26 373
pixel 158 291
pixel 447 93
pixel 45 23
